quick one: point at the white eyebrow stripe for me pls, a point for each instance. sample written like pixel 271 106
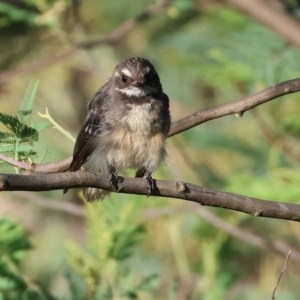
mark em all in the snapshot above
pixel 117 74
pixel 126 72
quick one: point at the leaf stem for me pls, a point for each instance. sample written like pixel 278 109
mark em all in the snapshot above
pixel 57 126
pixel 16 156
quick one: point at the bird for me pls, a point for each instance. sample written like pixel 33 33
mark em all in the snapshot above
pixel 126 126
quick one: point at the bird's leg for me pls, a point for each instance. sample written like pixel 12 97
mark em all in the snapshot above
pixel 113 176
pixel 144 173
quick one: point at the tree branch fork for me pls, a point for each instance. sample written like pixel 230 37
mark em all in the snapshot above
pixel 41 181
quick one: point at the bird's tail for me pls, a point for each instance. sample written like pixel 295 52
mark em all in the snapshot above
pixel 93 194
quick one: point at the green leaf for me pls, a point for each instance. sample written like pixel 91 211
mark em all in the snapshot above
pixel 125 241
pixel 12 237
pixel 25 149
pixel 7 138
pixel 4 164
pixel 7 148
pixel 20 130
pixel 19 149
pixel 26 105
pixel 6 135
pixel 9 141
pixel 40 126
pixel 149 283
pixel 172 290
pixel 14 14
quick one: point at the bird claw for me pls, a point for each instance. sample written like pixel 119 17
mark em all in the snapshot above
pixel 113 175
pixel 150 185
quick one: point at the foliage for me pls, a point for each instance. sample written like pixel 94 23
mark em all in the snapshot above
pixel 91 271
pixel 14 245
pixel 21 140
pixel 12 14
pixel 115 234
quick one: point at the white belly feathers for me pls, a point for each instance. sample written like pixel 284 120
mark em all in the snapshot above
pixel 134 145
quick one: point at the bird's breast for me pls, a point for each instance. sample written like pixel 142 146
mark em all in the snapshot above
pixel 140 118
pixel 135 140
pixel 134 149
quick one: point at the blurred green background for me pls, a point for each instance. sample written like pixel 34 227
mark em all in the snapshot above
pixel 54 246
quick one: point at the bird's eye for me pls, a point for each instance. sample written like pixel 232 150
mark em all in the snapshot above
pixel 148 77
pixel 124 78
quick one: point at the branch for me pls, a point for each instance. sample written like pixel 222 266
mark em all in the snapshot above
pixel 279 278
pixel 173 189
pixel 236 107
pixel 13 162
pixel 178 190
pixel 242 234
pixel 52 167
pixel 112 38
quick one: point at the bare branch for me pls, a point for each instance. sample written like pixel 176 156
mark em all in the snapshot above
pixel 173 189
pixel 236 107
pixel 284 268
pixel 53 167
pixel 112 38
pixel 13 162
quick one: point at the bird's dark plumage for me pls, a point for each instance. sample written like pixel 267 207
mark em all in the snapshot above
pixel 126 126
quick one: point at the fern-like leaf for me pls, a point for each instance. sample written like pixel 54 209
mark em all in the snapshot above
pixel 9 140
pixel 11 123
pixel 7 148
pixel 23 113
pixel 22 131
pixel 5 135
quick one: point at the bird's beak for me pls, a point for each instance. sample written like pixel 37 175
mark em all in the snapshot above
pixel 137 83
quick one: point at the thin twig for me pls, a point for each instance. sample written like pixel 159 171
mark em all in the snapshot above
pixel 13 162
pixel 280 275
pixel 57 126
pixel 52 167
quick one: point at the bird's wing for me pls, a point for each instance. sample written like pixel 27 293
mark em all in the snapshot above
pixel 85 143
pixel 166 113
pixel 86 140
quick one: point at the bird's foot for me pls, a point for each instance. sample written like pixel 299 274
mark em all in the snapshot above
pixel 150 185
pixel 113 175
